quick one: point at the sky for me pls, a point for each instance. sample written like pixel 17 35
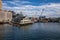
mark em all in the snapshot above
pixel 34 7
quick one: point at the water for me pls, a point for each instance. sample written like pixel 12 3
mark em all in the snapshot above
pixel 36 31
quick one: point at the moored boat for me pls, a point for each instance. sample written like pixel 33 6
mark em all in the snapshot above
pixel 26 21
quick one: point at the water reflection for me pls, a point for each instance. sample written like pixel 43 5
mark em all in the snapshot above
pixel 37 31
pixel 5 32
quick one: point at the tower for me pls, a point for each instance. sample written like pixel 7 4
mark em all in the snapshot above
pixel 0 5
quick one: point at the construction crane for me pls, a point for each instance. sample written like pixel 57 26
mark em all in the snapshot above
pixel 41 15
pixel 42 12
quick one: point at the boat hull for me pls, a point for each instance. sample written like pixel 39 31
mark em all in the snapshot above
pixel 25 24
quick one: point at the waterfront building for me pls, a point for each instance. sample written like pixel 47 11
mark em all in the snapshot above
pixel 5 15
pixel 0 5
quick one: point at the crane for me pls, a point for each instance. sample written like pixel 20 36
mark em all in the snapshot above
pixel 42 14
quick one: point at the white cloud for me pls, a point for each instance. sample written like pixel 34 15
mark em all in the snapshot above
pixel 50 10
pixel 17 3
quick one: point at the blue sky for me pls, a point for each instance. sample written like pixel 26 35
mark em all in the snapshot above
pixel 36 2
pixel 34 7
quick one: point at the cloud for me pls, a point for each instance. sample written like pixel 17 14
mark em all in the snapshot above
pixel 17 3
pixel 50 9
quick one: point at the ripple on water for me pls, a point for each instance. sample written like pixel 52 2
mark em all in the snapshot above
pixel 37 31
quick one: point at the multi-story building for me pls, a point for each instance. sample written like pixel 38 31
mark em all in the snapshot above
pixel 0 4
pixel 5 15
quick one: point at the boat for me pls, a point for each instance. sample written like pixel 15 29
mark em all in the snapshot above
pixel 26 21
